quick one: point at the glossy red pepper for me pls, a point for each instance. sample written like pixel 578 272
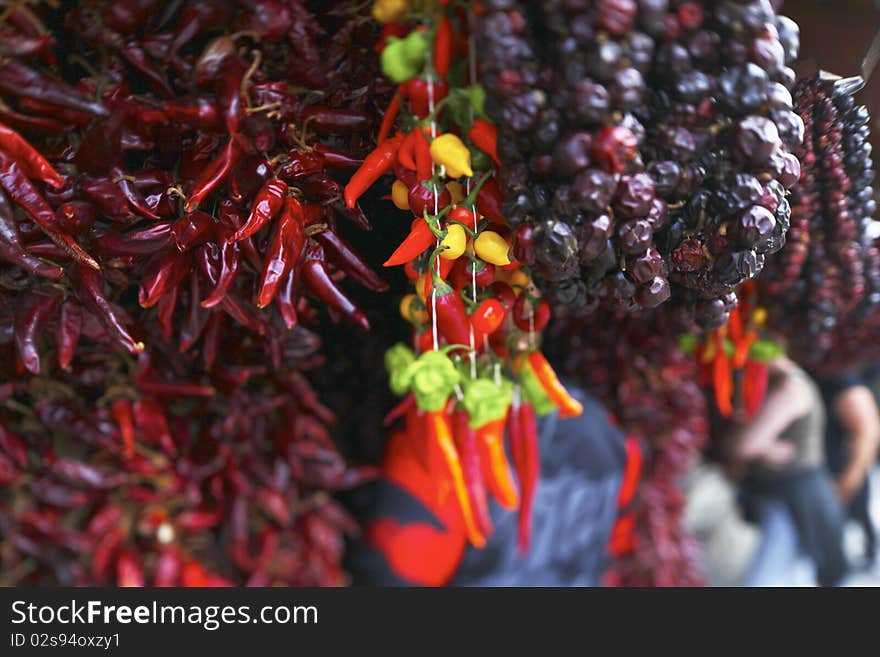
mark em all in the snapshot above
pixel 227 88
pixel 34 165
pixel 29 199
pixel 484 136
pixel 421 91
pixel 523 435
pixel 230 261
pixel 76 217
pixel 68 332
pixel 469 455
pixel 530 316
pixel 388 118
pixel 215 173
pixel 756 378
pixel 377 163
pixel 489 201
pixel 337 160
pixel 200 112
pixel 267 204
pixel 488 316
pixel 466 271
pixel 13 251
pixel 422 154
pixel 419 239
pixel 284 249
pixel 443 46
pixel 28 123
pixel 143 241
pixel 453 322
pixel 161 274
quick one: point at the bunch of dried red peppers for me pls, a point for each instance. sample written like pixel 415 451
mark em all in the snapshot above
pixel 171 219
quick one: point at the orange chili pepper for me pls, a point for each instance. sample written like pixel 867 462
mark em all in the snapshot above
pixel 743 346
pixel 375 165
pixel 406 155
pixel 388 119
pixel 441 434
pixel 568 406
pixel 484 135
pixel 496 469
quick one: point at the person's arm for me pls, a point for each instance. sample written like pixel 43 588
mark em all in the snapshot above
pixel 758 439
pixel 857 411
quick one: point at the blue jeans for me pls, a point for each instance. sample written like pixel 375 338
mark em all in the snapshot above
pixel 779 556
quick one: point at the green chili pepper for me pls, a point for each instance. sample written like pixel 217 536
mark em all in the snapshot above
pixel 487 402
pixel 533 392
pixel 763 351
pixel 402 59
pixel 432 377
pixel 397 359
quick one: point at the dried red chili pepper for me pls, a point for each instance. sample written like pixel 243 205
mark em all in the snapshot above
pixel 335 120
pixel 284 249
pixel 89 288
pixel 388 118
pixel 68 332
pixel 144 241
pixel 28 123
pixel 267 205
pixel 215 173
pixel 76 217
pixel 17 79
pixel 13 251
pixel 318 280
pixel 335 159
pixel 26 196
pixel 30 319
pixel 346 258
pixel 34 165
pixel 193 229
pixel 285 298
pixel 163 273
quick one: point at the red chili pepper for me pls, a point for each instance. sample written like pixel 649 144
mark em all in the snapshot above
pixel 523 246
pixel 347 259
pixel 441 435
pixel 122 413
pixel 76 217
pixel 30 319
pixel 755 381
pixel 16 79
pixel 285 298
pixel 108 198
pixel 13 251
pixel 284 249
pixel 39 124
pixel 299 164
pixel 420 238
pixel 453 322
pixel 469 454
pixel 338 160
pixel 426 197
pixel 523 435
pixel 388 118
pixel 722 378
pixel 540 314
pixel 267 205
pixel 339 121
pixel 489 201
pixel 68 332
pixel 227 88
pixel 568 406
pixel 200 112
pixel 377 163
pixel 443 46
pixel 215 173
pixel 735 327
pixel 318 280
pixel 145 241
pixel 196 317
pixel 192 229
pixel 25 195
pixel 488 316
pixel 14 446
pixel 161 274
pixel 137 57
pixel 484 136
pixel 230 260
pixel 742 348
pixel 406 154
pixel 89 288
pixel 34 165
pixel 424 162
pixel 466 271
pixel 420 90
pixel 496 469
pixel 165 312
pixel 66 115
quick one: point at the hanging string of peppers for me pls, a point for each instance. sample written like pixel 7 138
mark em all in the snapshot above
pixel 734 359
pixel 474 373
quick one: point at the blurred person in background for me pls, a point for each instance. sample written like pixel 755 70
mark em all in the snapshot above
pixel 852 438
pixel 411 539
pixel 780 454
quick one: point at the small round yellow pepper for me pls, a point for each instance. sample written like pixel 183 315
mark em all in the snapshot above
pixel 455 242
pixel 492 248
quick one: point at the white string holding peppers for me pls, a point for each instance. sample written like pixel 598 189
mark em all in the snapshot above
pixel 472 354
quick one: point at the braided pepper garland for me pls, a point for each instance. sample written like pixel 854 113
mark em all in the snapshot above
pixel 474 371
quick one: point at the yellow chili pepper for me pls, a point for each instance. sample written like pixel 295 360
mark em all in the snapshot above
pixel 400 195
pixel 449 151
pixel 456 190
pixel 455 241
pixel 759 316
pixel 420 287
pixel 518 279
pixel 390 11
pixel 412 310
pixel 492 248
